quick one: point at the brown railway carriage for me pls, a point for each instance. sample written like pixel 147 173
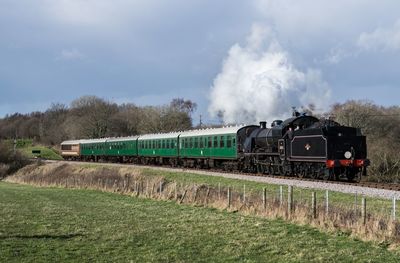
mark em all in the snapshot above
pixel 70 149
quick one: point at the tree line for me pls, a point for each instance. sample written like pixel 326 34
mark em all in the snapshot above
pixel 94 117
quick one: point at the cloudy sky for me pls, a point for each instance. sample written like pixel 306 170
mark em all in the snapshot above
pixel 243 58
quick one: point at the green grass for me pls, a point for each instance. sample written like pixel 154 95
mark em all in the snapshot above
pixel 52 224
pixel 45 152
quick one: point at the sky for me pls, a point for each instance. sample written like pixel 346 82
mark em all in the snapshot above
pixel 250 60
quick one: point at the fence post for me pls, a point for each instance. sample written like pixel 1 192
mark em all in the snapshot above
pixel 280 195
pixel 364 210
pixel 229 197
pixel 160 187
pixel 176 191
pixel 314 204
pixel 290 199
pixel 394 208
pixel 244 193
pixel 195 189
pixel 265 198
pixel 219 191
pixel 355 203
pixel 327 202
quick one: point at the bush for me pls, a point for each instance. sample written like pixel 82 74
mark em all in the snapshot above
pixel 3 170
pixel 10 162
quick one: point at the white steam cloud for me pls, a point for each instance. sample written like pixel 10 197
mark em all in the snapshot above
pixel 259 82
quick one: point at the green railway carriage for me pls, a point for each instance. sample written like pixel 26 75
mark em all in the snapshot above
pixel 219 143
pixel 121 147
pixel 219 147
pixel 93 148
pixel 158 145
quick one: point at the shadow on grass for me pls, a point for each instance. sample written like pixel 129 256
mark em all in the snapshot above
pixel 44 236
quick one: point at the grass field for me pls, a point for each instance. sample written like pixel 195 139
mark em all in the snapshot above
pixel 53 224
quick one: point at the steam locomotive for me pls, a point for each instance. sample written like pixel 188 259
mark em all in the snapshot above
pixel 305 146
pixel 301 146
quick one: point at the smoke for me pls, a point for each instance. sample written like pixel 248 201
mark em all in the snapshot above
pixel 259 82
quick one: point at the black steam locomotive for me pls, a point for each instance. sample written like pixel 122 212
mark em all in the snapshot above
pixel 304 146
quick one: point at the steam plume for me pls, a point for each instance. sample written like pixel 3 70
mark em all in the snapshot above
pixel 259 82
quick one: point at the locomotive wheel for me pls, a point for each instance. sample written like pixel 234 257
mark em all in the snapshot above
pixel 354 178
pixel 327 175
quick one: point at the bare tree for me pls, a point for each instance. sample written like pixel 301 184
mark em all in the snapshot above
pixel 92 116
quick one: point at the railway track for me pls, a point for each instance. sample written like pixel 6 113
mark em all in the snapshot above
pixel 384 186
pixel 373 185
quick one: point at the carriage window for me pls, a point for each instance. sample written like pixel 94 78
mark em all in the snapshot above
pixel 196 142
pixel 228 142
pixel 221 142
pixel 201 142
pixel 233 141
pixel 190 142
pixel 66 147
pixel 209 142
pixel 215 142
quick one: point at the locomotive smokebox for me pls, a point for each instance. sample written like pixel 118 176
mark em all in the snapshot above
pixel 263 124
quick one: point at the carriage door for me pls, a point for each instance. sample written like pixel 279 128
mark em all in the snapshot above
pixel 281 149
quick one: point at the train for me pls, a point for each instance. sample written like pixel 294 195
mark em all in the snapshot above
pixel 301 146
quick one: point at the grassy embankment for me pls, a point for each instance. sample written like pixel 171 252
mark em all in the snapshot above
pixel 343 200
pixel 376 205
pixel 53 224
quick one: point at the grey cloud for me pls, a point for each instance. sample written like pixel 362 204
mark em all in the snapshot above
pixel 381 39
pixel 71 54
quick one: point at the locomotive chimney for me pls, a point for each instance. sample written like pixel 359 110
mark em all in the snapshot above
pixel 263 124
